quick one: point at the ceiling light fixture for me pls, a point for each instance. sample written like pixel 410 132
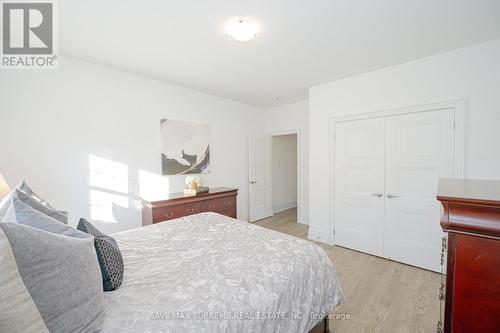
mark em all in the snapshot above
pixel 242 29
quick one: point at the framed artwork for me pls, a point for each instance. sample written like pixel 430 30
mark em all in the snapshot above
pixel 185 147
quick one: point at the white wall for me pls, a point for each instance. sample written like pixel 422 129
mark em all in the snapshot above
pixel 284 172
pixel 52 120
pixel 471 73
pixel 288 118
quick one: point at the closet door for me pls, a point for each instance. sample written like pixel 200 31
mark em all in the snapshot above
pixel 359 185
pixel 419 150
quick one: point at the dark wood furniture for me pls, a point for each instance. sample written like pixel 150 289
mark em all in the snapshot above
pixel 322 327
pixel 220 200
pixel 472 219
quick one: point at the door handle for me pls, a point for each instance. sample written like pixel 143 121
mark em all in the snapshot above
pixel 378 195
pixel 390 196
pixel 253 182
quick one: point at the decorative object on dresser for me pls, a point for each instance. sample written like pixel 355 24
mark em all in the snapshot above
pixel 472 220
pixel 195 185
pixel 194 181
pixel 220 200
pixel 196 191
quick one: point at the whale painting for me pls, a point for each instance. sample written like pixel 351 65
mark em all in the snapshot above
pixel 185 147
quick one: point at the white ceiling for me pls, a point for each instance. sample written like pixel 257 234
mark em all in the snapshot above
pixel 302 42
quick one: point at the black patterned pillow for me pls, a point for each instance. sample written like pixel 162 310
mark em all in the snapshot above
pixel 108 254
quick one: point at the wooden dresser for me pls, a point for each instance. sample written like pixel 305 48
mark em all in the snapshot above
pixel 220 200
pixel 472 219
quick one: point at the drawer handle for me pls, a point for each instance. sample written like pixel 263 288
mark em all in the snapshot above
pixel 190 211
pixel 227 203
pixel 211 206
pixel 168 215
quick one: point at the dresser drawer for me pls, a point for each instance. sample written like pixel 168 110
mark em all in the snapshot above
pixel 219 205
pixel 173 212
pixel 231 212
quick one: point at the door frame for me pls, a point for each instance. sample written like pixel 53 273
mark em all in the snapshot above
pixel 459 106
pixel 297 132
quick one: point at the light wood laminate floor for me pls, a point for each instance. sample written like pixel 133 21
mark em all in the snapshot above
pixel 381 295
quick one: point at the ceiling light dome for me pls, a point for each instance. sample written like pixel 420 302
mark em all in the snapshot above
pixel 242 29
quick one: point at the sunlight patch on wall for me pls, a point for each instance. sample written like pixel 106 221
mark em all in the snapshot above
pixel 153 186
pixel 107 174
pixel 109 186
pixel 101 205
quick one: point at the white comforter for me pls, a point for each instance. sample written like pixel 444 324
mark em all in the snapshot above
pixel 211 273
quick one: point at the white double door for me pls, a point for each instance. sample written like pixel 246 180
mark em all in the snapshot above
pixel 386 173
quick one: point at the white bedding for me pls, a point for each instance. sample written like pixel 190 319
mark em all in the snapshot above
pixel 211 273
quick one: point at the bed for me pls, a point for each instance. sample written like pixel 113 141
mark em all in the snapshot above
pixel 211 273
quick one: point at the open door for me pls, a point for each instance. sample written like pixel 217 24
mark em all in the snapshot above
pixel 260 178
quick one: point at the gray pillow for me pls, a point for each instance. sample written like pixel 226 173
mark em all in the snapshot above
pixel 30 197
pixel 5 203
pixel 38 205
pixel 21 213
pixel 12 288
pixel 61 276
pixel 25 188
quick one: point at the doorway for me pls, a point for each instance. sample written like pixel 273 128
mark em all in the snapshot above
pixel 274 174
pixel 284 172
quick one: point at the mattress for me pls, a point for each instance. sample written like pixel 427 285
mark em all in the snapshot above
pixel 211 273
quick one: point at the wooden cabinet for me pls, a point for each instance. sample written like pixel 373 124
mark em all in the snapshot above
pixel 472 219
pixel 224 206
pixel 164 213
pixel 220 200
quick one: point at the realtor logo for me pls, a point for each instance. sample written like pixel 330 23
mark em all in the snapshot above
pixel 28 35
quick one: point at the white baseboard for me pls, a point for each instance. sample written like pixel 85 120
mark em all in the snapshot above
pixel 303 220
pixel 320 236
pixel 281 207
